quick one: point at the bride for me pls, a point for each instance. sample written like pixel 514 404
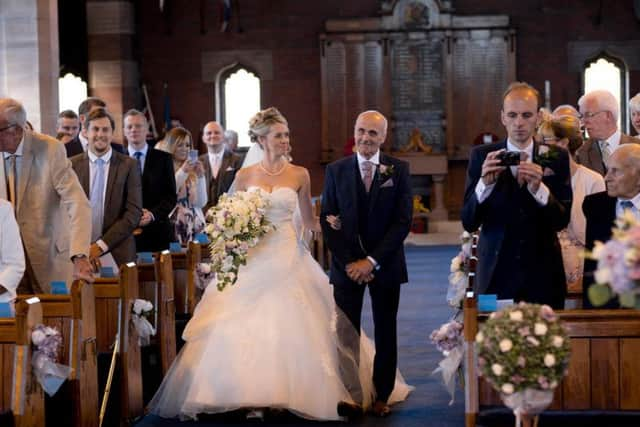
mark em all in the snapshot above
pixel 270 340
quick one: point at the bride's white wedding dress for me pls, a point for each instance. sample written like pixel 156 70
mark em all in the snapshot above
pixel 269 340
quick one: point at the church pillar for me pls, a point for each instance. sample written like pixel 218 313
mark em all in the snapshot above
pixel 29 58
pixel 113 71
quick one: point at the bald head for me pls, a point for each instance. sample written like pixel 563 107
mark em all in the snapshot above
pixel 623 174
pixel 369 133
pixel 213 137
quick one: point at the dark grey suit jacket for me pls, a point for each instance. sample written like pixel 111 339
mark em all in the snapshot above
pixel 122 203
pixel 589 154
pixel 231 162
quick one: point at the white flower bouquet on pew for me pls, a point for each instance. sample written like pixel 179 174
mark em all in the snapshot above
pixel 618 271
pixel 50 375
pixel 234 225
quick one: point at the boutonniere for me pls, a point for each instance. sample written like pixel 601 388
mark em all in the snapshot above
pixel 385 171
pixel 546 155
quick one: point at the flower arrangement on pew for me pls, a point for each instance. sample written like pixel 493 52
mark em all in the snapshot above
pixel 448 338
pixel 234 225
pixel 523 352
pixel 140 312
pixel 50 375
pixel 459 272
pixel 618 271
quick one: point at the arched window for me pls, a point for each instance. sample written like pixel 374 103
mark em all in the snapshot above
pixel 238 90
pixel 609 73
pixel 71 92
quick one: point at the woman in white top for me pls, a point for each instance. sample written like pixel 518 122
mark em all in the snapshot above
pixel 191 185
pixel 564 131
pixel 11 253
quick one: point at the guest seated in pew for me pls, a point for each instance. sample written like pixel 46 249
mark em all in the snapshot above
pixel 11 253
pixel 602 209
pixel 112 182
pixel 187 217
pixel 520 207
pixel 564 131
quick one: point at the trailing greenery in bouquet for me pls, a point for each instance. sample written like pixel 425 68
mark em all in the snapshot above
pixel 618 271
pixel 234 225
pixel 523 352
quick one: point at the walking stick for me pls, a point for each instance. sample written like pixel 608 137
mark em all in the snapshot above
pixel 107 388
pixel 151 119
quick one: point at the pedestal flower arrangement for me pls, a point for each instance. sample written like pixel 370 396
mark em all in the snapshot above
pixel 523 352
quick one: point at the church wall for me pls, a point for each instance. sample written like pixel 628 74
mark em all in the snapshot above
pixel 288 30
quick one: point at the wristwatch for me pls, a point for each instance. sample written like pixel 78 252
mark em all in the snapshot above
pixel 77 256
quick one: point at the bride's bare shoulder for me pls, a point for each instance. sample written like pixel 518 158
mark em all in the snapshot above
pixel 299 170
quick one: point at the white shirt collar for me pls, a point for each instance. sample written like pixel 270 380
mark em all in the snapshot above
pixel 106 156
pixel 528 149
pixel 84 141
pixel 213 155
pixel 131 149
pixel 614 140
pixel 375 159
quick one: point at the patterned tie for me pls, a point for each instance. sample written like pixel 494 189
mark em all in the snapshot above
pixel 367 174
pixel 606 152
pixel 11 180
pixel 138 156
pixel 97 202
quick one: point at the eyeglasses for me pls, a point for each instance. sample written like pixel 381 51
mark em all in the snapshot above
pixel 7 127
pixel 589 115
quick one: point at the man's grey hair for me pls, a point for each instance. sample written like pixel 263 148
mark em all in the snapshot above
pixel 13 111
pixel 378 113
pixel 134 112
pixel 231 134
pixel 564 110
pixel 605 101
pixel 634 103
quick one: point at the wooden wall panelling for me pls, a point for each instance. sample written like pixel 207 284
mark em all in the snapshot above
pixel 576 385
pixel 605 373
pixel 630 373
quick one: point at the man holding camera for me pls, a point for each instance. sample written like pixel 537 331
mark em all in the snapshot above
pixel 520 206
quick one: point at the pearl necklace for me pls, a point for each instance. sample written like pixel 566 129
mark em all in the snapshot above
pixel 268 172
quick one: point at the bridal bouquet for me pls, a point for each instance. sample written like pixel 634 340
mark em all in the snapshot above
pixel 618 272
pixel 234 225
pixel 523 352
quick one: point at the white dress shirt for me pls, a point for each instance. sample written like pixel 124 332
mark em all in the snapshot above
pixel 541 196
pixel 92 174
pixel 84 141
pixel 12 263
pixel 144 150
pixel 613 142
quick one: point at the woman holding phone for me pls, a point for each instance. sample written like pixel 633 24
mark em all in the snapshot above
pixel 191 185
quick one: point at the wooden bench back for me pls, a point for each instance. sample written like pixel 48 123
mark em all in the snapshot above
pixel 74 316
pixel 184 274
pixel 114 303
pixel 19 390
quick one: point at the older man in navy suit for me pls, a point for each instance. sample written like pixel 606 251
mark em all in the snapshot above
pixel 366 215
pixel 519 207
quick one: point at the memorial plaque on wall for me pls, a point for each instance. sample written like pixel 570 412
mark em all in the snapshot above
pixel 481 70
pixel 418 93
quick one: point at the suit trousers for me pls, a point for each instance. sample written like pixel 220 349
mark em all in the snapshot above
pixel 384 303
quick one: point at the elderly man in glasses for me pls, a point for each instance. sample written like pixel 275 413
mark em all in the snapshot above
pixel 599 111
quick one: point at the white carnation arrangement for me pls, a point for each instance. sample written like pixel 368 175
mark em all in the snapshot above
pixel 139 312
pixel 234 225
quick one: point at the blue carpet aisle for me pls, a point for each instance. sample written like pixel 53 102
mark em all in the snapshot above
pixel 422 309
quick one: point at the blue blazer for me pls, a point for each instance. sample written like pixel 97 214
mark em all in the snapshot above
pixel 388 214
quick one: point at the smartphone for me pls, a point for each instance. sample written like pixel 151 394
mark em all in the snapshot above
pixel 193 156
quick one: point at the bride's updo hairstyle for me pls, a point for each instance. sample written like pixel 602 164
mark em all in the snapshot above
pixel 260 124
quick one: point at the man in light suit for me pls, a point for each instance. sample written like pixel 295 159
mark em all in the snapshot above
pixel 519 208
pixel 599 113
pixel 366 215
pixel 115 192
pixel 52 211
pixel 220 164
pixel 602 209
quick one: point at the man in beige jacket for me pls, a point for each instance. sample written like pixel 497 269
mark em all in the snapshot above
pixel 53 213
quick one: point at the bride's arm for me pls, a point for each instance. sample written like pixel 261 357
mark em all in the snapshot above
pixel 239 182
pixel 310 221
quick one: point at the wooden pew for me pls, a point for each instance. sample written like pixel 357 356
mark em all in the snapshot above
pixel 113 306
pixel 604 369
pixel 184 276
pixel 20 393
pixel 74 316
pixel 157 286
